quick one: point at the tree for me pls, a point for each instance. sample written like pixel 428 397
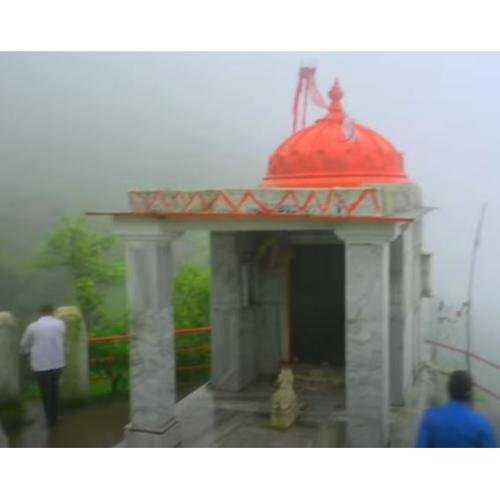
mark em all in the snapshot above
pixel 85 254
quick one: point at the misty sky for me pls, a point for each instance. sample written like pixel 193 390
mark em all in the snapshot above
pixel 78 130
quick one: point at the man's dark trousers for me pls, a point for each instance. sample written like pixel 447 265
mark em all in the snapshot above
pixel 48 382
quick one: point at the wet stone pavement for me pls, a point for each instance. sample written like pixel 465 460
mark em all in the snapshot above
pixel 94 426
pixel 97 425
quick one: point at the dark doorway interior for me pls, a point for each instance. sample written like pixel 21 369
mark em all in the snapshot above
pixel 317 304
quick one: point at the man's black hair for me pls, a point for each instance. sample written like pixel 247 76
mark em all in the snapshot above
pixel 460 386
pixel 46 310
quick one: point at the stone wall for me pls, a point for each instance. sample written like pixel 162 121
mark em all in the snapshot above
pixel 273 308
pixel 4 443
pixel 249 308
pixel 75 378
pixel 272 295
pixel 9 358
pixel 234 337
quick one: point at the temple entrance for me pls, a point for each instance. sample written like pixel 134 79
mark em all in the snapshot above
pixel 317 304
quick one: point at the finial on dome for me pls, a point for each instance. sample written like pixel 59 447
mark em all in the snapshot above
pixel 336 94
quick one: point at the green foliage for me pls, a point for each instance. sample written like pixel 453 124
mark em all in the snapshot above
pixel 192 310
pixel 110 361
pixel 192 297
pixel 90 300
pixel 73 245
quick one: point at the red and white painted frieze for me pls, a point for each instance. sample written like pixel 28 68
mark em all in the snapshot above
pixel 372 201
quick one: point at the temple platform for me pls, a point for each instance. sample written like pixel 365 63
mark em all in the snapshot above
pixel 211 418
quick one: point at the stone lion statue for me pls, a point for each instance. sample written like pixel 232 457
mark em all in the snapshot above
pixel 285 407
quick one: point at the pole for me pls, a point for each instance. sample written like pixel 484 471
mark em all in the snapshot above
pixel 475 248
pixel 307 84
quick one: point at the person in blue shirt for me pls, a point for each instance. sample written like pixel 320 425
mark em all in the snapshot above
pixel 456 424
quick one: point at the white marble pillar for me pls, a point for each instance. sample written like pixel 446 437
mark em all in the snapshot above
pixel 367 332
pixel 400 318
pixel 416 299
pixel 225 313
pixel 152 343
pixel 9 358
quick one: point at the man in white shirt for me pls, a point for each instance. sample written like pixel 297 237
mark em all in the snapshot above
pixel 43 340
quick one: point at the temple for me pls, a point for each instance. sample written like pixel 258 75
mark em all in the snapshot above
pixel 321 266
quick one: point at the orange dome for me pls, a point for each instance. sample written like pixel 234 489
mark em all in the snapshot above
pixel 335 152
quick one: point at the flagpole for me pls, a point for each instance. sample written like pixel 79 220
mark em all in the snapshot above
pixel 304 102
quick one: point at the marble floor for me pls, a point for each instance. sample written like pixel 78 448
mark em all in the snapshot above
pixel 210 418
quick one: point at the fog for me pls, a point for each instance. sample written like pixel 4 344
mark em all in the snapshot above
pixel 78 130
